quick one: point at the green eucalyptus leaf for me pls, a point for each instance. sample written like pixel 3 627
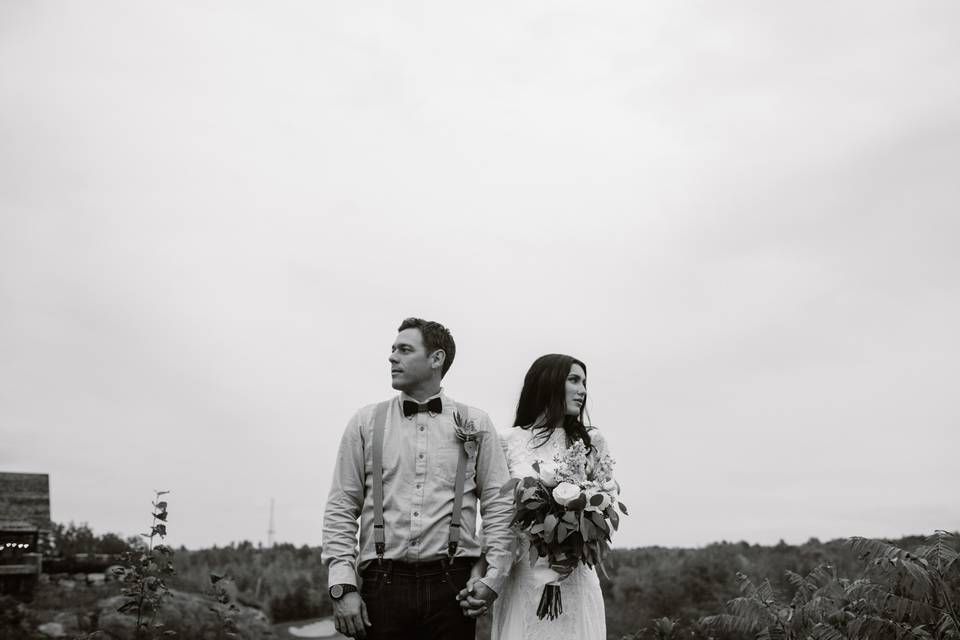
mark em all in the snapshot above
pixel 597 518
pixel 578 503
pixel 614 517
pixel 550 527
pixel 529 481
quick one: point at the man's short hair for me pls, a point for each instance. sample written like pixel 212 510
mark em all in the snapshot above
pixel 435 336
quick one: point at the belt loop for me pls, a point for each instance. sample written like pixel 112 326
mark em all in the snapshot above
pixel 389 572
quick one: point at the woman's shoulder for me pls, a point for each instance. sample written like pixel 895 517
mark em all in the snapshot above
pixel 511 434
pixel 516 437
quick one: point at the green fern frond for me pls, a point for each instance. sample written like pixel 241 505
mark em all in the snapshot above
pixel 821 576
pixel 751 609
pixel 876 549
pixel 938 550
pixel 765 591
pixel 745 585
pixel 731 623
pixel 904 609
pixel 947 627
pixel 919 572
pixel 815 611
pixel 862 588
pixel 663 628
pixel 773 633
pixel 920 631
pixel 823 631
pixel 889 559
pixel 873 627
pixel 796 580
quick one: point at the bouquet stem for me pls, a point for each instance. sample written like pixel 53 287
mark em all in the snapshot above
pixel 551 602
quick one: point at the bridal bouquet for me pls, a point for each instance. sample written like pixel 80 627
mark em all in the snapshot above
pixel 567 513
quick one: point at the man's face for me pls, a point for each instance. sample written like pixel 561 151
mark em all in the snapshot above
pixel 410 364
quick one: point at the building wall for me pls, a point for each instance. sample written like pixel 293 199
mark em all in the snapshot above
pixel 26 496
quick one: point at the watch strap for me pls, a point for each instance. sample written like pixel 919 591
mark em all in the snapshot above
pixel 337 591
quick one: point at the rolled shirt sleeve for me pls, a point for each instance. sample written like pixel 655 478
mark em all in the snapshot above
pixel 343 508
pixel 496 511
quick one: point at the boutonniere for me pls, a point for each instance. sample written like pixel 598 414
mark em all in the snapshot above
pixel 467 433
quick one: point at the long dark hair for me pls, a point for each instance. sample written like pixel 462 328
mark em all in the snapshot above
pixel 544 394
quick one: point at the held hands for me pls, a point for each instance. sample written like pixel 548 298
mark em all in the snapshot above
pixel 350 615
pixel 476 598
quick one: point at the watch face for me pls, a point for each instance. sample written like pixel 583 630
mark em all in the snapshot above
pixel 336 591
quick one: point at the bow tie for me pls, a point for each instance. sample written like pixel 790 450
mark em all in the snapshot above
pixel 433 406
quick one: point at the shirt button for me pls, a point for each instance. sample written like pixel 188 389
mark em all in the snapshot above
pixel 413 543
pixel 419 485
pixel 416 514
pixel 421 428
pixel 421 456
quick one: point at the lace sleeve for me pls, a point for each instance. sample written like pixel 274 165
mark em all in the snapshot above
pixel 599 441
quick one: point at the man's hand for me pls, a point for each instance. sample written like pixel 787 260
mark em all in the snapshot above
pixel 350 615
pixel 476 598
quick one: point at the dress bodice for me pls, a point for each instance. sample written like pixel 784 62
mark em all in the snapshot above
pixel 514 615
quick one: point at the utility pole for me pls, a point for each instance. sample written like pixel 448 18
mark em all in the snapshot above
pixel 271 530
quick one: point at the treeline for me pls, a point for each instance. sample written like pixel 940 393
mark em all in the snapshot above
pixel 642 585
pixel 688 584
pixel 285 581
pixel 71 539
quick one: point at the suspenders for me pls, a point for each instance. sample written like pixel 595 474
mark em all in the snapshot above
pixel 379 534
pixel 454 538
pixel 379 422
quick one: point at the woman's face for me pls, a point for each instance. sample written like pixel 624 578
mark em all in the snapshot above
pixel 576 389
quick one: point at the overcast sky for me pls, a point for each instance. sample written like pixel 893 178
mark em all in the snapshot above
pixel 742 215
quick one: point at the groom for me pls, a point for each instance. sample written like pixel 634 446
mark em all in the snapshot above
pixel 398 469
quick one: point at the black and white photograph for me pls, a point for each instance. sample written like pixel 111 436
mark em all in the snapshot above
pixel 503 321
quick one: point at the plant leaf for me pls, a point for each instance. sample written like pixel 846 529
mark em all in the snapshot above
pixel 613 516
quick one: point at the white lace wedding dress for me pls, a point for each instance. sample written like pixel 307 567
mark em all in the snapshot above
pixel 515 610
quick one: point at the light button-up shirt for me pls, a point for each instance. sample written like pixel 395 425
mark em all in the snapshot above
pixel 420 456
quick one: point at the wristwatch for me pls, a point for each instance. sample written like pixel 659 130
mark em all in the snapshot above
pixel 337 591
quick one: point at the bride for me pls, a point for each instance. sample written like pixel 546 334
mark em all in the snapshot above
pixel 549 418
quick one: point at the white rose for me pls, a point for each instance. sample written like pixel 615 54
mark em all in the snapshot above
pixel 610 486
pixel 548 475
pixel 565 493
